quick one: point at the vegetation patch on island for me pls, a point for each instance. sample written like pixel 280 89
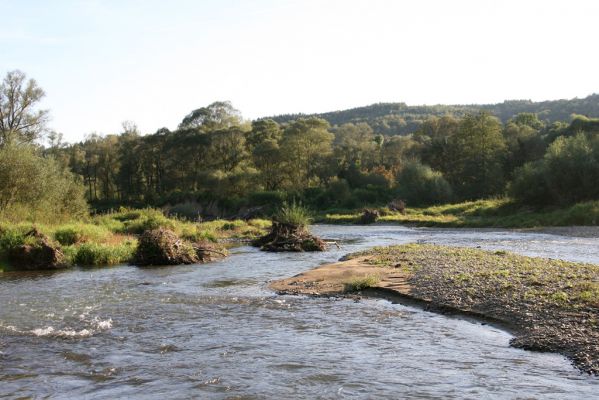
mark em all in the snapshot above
pixel 112 238
pixel 289 232
pixel 551 305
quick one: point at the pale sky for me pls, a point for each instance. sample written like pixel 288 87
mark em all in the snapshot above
pixel 153 61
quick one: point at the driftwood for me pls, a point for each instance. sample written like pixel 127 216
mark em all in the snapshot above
pixel 208 251
pixel 369 216
pixel 397 205
pixel 288 237
pixel 163 247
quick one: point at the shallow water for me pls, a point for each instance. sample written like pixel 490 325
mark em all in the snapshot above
pixel 215 331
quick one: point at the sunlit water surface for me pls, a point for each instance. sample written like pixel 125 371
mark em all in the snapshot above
pixel 216 331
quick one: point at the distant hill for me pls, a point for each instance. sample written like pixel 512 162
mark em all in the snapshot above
pixel 400 118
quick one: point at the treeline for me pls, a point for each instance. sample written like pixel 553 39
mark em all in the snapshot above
pixel 401 119
pixel 223 163
pixel 216 163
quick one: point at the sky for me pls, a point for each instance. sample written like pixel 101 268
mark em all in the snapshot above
pixel 153 61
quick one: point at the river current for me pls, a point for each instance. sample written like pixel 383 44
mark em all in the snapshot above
pixel 216 331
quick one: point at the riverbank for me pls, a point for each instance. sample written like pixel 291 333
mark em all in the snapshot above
pixel 111 238
pixel 549 305
pixel 501 213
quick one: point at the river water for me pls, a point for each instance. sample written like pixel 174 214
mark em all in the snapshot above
pixel 216 331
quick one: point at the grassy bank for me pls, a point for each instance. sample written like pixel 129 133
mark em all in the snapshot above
pixel 110 239
pixel 483 213
pixel 552 305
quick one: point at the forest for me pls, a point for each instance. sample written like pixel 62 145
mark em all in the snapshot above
pixel 217 164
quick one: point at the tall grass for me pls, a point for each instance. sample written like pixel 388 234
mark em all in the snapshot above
pixel 357 284
pixel 95 254
pixel 501 213
pixel 109 239
pixel 293 214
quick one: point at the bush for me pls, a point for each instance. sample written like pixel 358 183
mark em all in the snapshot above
pixel 37 188
pixel 420 185
pixel 529 185
pixel 10 238
pixel 568 173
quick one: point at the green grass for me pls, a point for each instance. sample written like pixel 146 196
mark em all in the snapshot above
pixel 500 213
pixel 293 214
pixel 81 233
pixel 96 254
pixel 357 284
pixel 110 238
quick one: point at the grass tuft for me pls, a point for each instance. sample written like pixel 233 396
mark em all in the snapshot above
pixel 357 284
pixel 293 214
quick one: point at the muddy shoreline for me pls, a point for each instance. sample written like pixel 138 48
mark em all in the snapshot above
pixel 427 279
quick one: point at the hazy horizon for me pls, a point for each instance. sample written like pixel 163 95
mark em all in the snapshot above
pixel 150 62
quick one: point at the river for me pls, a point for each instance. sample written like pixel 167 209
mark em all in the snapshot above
pixel 216 331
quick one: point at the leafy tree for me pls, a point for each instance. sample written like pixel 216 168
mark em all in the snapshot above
pixel 306 145
pixel 20 121
pixel 420 185
pixel 476 153
pixel 354 145
pixel 218 115
pixel 35 187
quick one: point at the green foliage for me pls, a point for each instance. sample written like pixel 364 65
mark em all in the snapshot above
pixel 145 220
pixel 36 188
pixel 11 237
pixel 420 185
pixel 97 254
pixel 357 284
pixel 293 214
pixel 216 164
pixel 476 153
pixel 80 233
pixel 568 173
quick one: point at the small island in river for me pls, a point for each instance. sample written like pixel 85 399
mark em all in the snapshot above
pixel 549 305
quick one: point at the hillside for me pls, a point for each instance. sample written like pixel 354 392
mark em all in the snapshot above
pixel 400 118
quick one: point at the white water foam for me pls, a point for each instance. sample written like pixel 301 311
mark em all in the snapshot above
pixel 97 325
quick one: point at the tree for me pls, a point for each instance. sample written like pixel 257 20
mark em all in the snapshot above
pixel 35 187
pixel 218 115
pixel 420 185
pixel 20 121
pixel 476 154
pixel 354 144
pixel 305 146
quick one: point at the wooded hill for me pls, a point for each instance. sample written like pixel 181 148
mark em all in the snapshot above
pixel 400 118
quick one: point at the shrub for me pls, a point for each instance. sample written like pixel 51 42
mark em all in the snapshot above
pixel 420 185
pixel 10 238
pixel 37 188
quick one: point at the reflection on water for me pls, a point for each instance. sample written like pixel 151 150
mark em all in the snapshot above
pixel 215 331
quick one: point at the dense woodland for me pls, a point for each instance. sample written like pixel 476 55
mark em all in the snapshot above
pixel 217 163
